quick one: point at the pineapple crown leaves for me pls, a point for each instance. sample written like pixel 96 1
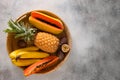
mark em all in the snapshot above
pixel 20 30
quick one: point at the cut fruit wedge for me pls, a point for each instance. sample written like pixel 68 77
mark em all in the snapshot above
pixel 48 19
pixel 65 48
pixel 44 63
pixel 44 26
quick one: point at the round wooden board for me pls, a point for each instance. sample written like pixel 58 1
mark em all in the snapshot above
pixel 12 42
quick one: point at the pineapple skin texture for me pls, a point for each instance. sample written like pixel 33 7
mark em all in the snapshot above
pixel 46 42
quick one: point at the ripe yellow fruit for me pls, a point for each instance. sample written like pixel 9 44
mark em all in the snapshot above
pixel 27 56
pixel 26 62
pixel 16 52
pixel 33 55
pixel 46 42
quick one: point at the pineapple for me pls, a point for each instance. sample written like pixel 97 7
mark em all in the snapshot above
pixel 46 42
pixel 20 30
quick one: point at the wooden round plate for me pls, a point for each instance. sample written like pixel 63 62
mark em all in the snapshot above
pixel 12 43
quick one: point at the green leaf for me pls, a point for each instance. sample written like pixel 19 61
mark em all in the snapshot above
pixel 10 25
pixel 14 25
pixel 21 30
pixel 21 27
pixel 9 31
pixel 20 35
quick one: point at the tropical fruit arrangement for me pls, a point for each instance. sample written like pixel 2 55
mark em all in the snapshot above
pixel 38 42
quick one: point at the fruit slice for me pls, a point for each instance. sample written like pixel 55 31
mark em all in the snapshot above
pixel 48 19
pixel 16 52
pixel 65 48
pixel 27 54
pixel 24 62
pixel 43 26
pixel 44 63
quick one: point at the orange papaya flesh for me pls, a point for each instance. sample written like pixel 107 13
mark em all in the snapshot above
pixel 41 64
pixel 47 19
pixel 44 26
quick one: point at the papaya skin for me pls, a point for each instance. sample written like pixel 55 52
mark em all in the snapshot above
pixel 36 67
pixel 47 18
pixel 44 26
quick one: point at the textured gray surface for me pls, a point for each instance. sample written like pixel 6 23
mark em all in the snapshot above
pixel 95 30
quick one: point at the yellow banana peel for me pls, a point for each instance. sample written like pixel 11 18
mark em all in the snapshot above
pixel 24 62
pixel 16 52
pixel 28 54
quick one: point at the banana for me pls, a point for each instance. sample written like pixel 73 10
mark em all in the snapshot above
pixel 16 52
pixel 27 54
pixel 23 62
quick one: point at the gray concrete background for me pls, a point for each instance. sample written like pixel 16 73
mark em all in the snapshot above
pixel 95 30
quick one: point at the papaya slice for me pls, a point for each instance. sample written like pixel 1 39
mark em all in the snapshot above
pixel 46 23
pixel 48 19
pixel 41 64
